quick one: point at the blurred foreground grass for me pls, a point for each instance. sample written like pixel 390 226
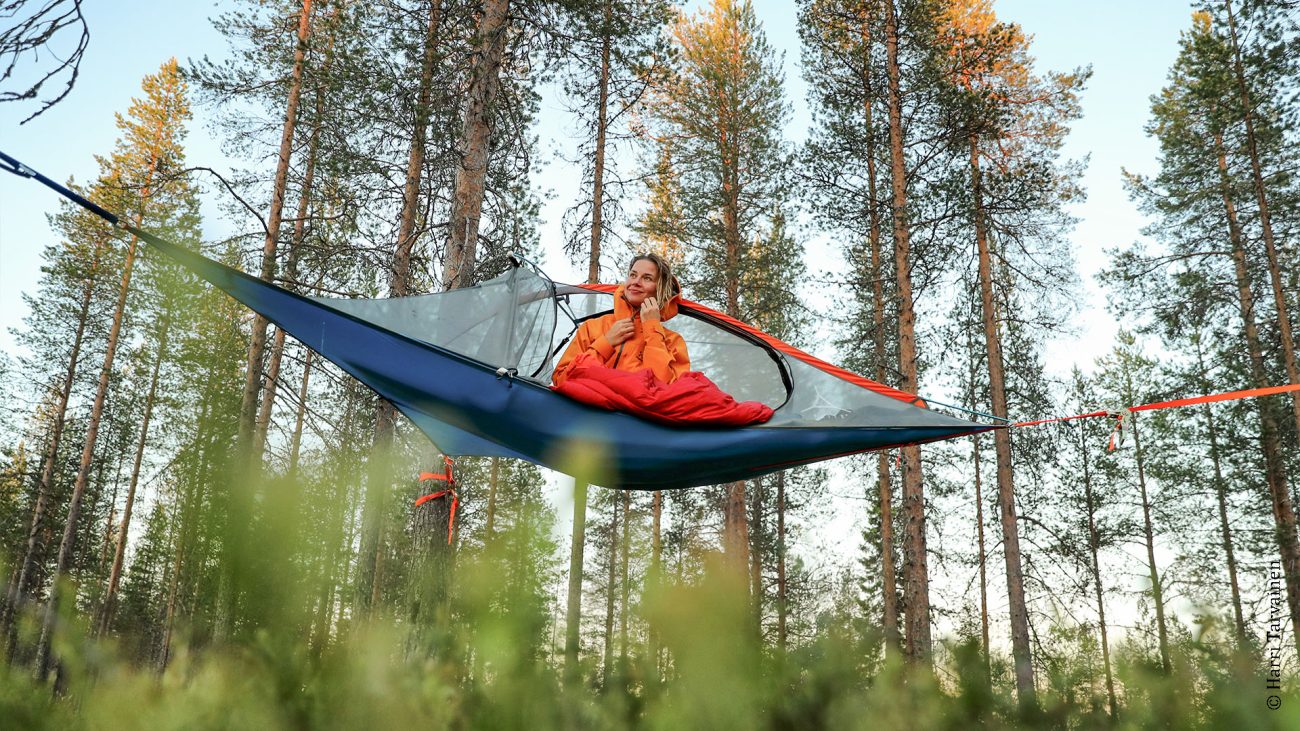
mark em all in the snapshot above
pixel 488 658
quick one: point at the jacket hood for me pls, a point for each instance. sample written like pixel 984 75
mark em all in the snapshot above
pixel 666 311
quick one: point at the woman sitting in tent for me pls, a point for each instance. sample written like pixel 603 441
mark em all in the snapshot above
pixel 633 337
pixel 628 361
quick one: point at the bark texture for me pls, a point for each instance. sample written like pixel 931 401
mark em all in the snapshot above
pixel 467 202
pixel 1019 611
pixel 916 573
pixel 1284 519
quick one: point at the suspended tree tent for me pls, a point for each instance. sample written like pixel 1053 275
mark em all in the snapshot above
pixel 471 368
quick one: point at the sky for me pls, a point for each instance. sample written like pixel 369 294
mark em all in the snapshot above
pixel 1129 45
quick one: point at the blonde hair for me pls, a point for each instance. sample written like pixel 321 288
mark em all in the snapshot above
pixel 666 286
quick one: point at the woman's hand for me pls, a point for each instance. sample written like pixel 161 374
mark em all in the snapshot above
pixel 650 310
pixel 621 331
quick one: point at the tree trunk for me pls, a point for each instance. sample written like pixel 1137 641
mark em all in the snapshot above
pixel 782 609
pixel 467 202
pixel 887 565
pixel 610 589
pixel 1270 443
pixel 119 551
pixel 1094 547
pixel 656 541
pixel 183 519
pixel 1221 496
pixel 736 529
pixel 295 439
pixel 379 477
pixel 490 529
pixel 341 534
pixel 598 165
pixel 625 585
pixel 105 540
pixel 656 570
pixel 983 553
pixel 1265 222
pixel 291 264
pixel 45 487
pixel 257 343
pixel 1019 611
pixel 573 614
pixel 299 235
pixel 756 556
pixel 888 568
pixel 1148 534
pixel 67 545
pixel 173 584
pixel 400 275
pixel 916 589
pixel 262 424
pixel 89 536
pixel 241 500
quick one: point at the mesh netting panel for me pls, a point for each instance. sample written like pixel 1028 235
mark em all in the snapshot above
pixel 747 372
pixel 507 321
pixel 822 399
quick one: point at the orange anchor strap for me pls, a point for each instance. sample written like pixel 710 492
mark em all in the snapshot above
pixel 432 496
pixel 1117 433
pixel 447 477
pixel 1171 404
pixel 1229 396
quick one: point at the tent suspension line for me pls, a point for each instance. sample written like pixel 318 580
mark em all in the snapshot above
pixel 969 411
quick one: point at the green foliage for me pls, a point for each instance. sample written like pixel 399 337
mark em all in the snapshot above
pixel 497 672
pixel 611 52
pixel 718 118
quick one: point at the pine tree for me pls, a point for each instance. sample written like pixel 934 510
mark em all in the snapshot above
pixel 842 61
pixel 72 293
pixel 1121 373
pixel 400 282
pixel 150 148
pixel 723 107
pixel 164 310
pixel 1196 196
pixel 916 588
pixel 210 354
pixel 1092 511
pixel 490 37
pixel 1255 138
pixel 615 50
pixel 613 54
pixel 1016 122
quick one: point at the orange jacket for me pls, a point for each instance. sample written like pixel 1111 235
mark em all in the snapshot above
pixel 651 346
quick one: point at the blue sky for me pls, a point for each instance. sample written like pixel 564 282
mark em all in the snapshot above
pixel 1129 46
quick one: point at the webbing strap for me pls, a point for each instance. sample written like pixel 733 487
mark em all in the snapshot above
pixel 447 477
pixel 1229 396
pixel 1174 403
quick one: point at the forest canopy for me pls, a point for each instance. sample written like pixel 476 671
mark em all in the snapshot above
pixel 204 522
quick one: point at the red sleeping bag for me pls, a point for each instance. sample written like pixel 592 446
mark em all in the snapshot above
pixel 690 400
